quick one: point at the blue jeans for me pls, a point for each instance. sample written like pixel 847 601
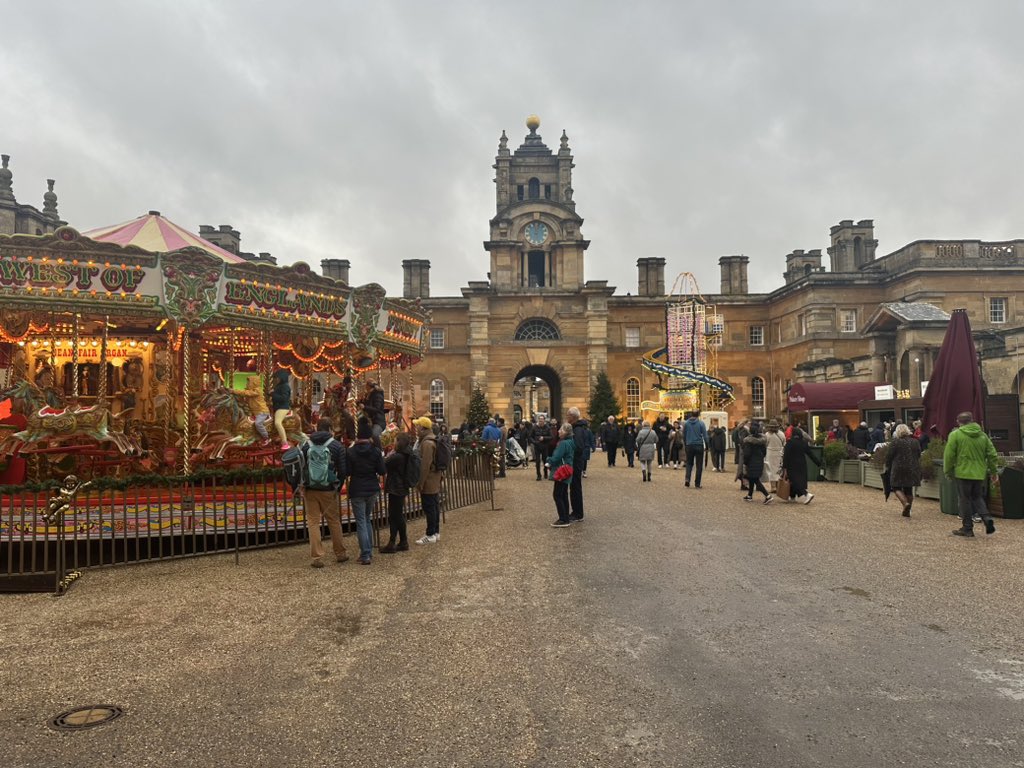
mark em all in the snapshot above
pixel 362 508
pixel 432 510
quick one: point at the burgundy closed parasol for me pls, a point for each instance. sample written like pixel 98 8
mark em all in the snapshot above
pixel 955 385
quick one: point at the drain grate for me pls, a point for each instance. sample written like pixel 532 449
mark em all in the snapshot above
pixel 85 717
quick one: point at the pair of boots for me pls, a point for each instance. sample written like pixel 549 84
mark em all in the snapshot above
pixel 647 476
pixel 391 547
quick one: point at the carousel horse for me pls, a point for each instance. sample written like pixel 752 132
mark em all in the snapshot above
pixel 335 407
pixel 226 422
pixel 56 425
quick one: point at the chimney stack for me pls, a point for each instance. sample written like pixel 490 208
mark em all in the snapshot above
pixel 336 269
pixel 650 276
pixel 734 275
pixel 416 283
pixel 225 237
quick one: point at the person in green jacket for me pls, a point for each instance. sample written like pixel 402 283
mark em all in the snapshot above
pixel 564 453
pixel 970 458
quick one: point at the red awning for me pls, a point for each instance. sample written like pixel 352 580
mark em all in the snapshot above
pixel 830 397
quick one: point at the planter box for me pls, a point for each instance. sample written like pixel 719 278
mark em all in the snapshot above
pixel 929 489
pixel 851 471
pixel 834 475
pixel 872 477
pixel 1011 492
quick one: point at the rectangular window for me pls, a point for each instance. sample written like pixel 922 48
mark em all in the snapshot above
pixel 802 322
pixel 848 320
pixel 632 337
pixel 437 338
pixel 757 397
pixel 757 335
pixel 633 398
pixel 997 310
pixel 547 191
pixel 519 192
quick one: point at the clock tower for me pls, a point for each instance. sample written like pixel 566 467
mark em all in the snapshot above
pixel 536 244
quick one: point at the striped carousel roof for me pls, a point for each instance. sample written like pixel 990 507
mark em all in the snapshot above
pixel 155 233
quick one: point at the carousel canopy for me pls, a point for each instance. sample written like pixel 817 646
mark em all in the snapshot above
pixel 155 233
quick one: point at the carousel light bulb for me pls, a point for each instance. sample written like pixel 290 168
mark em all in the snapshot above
pixel 94 343
pixel 145 343
pixel 34 343
pixel 133 343
pixel 117 343
pixel 21 343
pixel 81 342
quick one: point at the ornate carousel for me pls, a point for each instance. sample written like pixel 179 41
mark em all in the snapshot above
pixel 141 348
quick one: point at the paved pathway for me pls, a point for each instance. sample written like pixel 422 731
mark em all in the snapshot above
pixel 675 627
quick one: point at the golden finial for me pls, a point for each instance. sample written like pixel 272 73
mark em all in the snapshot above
pixel 533 123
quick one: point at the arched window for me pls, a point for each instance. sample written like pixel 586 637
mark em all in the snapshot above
pixel 534 189
pixel 437 400
pixel 757 397
pixel 537 329
pixel 633 398
pixel 318 389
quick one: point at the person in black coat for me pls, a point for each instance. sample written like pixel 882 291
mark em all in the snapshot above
pixel 718 441
pixel 397 487
pixel 662 428
pixel 861 436
pixel 794 466
pixel 610 439
pixel 629 443
pixel 365 466
pixel 543 442
pixel 755 447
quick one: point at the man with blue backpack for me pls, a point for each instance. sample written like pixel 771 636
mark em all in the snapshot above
pixel 323 459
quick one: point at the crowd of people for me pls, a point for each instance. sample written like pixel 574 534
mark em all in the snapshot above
pixel 771 459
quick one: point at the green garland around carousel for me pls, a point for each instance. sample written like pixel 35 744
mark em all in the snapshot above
pixel 232 477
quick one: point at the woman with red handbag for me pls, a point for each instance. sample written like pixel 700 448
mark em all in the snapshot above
pixel 561 466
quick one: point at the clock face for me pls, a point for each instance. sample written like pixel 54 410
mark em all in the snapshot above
pixel 536 232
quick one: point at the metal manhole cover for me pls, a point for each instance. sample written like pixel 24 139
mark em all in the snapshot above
pixel 85 717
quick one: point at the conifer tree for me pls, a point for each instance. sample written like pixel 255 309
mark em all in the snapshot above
pixel 479 410
pixel 603 402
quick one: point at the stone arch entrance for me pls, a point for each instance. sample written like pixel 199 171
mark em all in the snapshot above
pixel 530 382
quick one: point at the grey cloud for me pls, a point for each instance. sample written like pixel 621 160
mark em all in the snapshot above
pixel 367 131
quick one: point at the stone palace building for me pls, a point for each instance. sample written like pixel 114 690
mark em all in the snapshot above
pixel 533 332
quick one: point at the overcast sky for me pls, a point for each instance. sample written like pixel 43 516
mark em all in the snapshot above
pixel 367 130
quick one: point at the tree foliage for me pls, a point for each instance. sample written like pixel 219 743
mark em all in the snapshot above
pixel 479 410
pixel 603 402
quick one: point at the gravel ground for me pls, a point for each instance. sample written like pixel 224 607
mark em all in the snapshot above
pixel 673 627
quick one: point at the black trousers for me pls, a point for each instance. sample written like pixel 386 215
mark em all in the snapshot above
pixel 561 496
pixel 694 455
pixel 612 449
pixel 663 452
pixel 540 458
pixel 576 494
pixel 718 460
pixel 396 518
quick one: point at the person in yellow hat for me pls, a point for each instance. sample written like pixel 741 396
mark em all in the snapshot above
pixel 429 485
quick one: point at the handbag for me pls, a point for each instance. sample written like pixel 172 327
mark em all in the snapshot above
pixel 563 473
pixel 783 489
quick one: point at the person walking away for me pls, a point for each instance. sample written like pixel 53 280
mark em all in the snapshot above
pixel 695 437
pixel 325 471
pixel 526 440
pixel 582 436
pixel 877 437
pixel 970 457
pixel 646 447
pixel 430 481
pixel 794 466
pixel 629 443
pixel 662 428
pixel 541 445
pixel 903 463
pixel 403 469
pixel 675 444
pixel 610 439
pixel 718 440
pixel 738 436
pixel 365 466
pixel 776 442
pixel 564 454
pixel 755 447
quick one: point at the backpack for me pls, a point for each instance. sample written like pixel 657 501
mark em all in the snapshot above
pixel 442 456
pixel 294 462
pixel 413 469
pixel 320 472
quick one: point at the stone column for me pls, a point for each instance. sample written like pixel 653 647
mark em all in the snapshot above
pixel 916 355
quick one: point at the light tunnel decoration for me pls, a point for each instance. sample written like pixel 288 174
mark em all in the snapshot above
pixel 688 363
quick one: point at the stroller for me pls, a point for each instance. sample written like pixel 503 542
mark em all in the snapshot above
pixel 514 455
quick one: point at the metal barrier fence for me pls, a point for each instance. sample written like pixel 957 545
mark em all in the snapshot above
pixel 182 518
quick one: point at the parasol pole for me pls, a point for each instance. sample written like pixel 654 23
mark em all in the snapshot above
pixel 74 358
pixel 186 447
pixel 101 389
